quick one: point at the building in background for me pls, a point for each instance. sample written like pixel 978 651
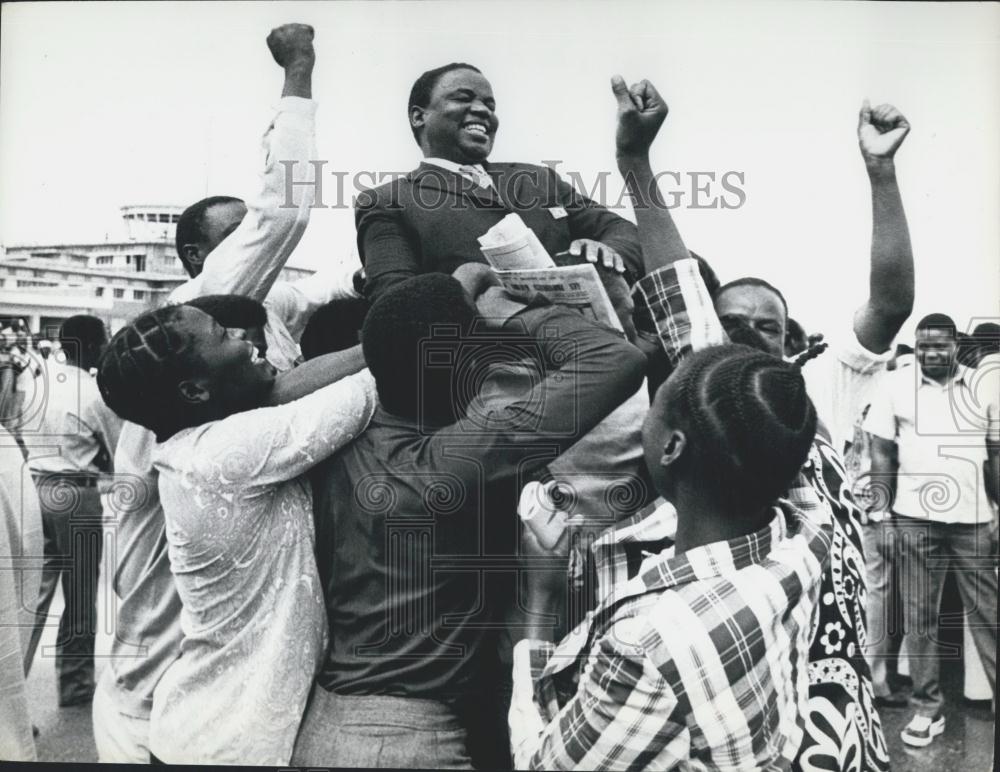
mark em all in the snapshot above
pixel 115 279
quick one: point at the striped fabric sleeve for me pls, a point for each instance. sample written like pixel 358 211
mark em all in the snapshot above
pixel 676 299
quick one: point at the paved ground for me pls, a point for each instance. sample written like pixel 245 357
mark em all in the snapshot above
pixel 967 742
pixel 966 746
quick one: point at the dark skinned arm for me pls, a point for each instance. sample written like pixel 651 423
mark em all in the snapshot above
pixel 891 279
pixel 315 374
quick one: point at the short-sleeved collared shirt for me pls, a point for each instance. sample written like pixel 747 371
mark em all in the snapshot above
pixel 77 431
pixel 842 722
pixel 697 659
pixel 940 431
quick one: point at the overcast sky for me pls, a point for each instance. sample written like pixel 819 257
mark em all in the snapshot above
pixel 105 104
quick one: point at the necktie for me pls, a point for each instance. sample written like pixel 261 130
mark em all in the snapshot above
pixel 480 177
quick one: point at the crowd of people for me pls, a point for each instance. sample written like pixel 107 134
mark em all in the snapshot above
pixel 394 516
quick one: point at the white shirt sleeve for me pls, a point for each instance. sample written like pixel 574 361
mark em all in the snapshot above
pixel 248 261
pixel 273 444
pixel 523 719
pixel 881 418
pixel 295 302
pixel 840 383
pixel 986 384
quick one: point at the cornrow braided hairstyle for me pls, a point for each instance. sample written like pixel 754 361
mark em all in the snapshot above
pixel 139 370
pixel 749 421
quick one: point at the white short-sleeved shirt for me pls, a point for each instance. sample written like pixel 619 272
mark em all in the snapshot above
pixel 77 431
pixel 841 382
pixel 940 431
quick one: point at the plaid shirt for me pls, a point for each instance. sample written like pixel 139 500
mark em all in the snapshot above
pixel 843 728
pixel 695 660
pixel 675 303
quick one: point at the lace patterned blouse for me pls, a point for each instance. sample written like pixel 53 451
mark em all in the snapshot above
pixel 239 525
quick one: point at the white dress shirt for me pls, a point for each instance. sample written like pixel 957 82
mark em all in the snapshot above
pixel 477 174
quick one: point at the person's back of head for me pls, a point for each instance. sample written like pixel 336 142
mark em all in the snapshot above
pixel 82 338
pixel 232 310
pixel 191 240
pixel 400 334
pixel 968 350
pixel 733 423
pixel 987 339
pixel 141 366
pixel 334 327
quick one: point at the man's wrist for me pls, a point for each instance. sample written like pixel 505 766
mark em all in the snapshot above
pixel 880 169
pixel 298 78
pixel 632 160
pixel 300 64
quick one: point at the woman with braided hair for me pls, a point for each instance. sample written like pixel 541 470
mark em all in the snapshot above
pixel 700 657
pixel 842 730
pixel 739 404
pixel 233 444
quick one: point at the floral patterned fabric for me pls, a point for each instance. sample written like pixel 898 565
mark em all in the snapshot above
pixel 843 729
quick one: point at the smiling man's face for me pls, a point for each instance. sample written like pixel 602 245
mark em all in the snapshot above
pixel 460 121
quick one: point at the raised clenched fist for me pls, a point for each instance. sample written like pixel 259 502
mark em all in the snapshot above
pixel 641 112
pixel 292 44
pixel 881 130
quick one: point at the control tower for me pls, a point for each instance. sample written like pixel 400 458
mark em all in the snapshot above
pixel 151 222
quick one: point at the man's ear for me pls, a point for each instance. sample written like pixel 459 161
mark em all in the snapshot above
pixel 673 447
pixel 416 117
pixel 192 254
pixel 193 391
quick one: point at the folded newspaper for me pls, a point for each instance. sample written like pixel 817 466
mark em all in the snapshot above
pixel 510 245
pixel 525 269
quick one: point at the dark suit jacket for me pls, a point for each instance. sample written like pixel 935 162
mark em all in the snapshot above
pixel 430 220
